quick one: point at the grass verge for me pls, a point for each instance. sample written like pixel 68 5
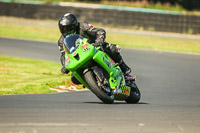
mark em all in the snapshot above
pixel 48 31
pixel 156 43
pixel 27 76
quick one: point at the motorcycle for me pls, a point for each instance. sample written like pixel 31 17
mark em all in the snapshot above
pixel 98 72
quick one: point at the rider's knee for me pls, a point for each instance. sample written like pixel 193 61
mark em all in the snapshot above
pixel 115 49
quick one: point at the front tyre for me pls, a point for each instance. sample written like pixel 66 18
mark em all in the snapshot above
pixel 91 80
pixel 134 94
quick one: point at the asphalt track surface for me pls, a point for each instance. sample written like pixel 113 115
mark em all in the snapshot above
pixel 170 103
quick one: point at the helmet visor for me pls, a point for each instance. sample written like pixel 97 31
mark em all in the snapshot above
pixel 68 29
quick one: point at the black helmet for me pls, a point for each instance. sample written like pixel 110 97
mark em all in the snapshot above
pixel 68 24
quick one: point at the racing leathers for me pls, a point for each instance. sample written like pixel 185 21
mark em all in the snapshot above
pixel 95 36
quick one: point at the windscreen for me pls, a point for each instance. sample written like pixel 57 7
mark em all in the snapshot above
pixel 72 42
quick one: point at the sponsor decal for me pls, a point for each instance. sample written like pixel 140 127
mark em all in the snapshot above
pixel 91 27
pixel 106 61
pixel 117 91
pixel 74 53
pixel 68 61
pixel 68 58
pixel 126 90
pixel 111 61
pixel 85 47
pixel 67 64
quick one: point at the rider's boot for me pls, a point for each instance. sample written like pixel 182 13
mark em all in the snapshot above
pixel 125 69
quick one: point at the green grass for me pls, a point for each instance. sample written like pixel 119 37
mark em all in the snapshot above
pixel 28 32
pixel 155 43
pixel 48 31
pixel 28 76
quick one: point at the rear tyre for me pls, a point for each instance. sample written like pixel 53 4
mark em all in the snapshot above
pixel 91 80
pixel 134 94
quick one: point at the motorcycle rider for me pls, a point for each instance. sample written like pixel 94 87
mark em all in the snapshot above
pixel 68 24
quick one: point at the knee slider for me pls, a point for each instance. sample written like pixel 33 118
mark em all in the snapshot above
pixel 115 48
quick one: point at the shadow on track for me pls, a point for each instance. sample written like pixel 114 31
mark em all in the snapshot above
pixel 116 103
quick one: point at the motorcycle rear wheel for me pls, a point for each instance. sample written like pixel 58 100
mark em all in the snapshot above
pixel 134 94
pixel 90 79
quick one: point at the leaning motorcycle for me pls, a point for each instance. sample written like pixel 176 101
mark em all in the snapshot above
pixel 98 72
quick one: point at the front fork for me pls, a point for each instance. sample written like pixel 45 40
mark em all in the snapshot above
pixel 101 80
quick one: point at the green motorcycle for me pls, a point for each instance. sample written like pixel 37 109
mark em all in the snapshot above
pixel 98 72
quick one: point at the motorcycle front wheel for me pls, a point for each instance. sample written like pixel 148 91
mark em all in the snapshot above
pixel 91 80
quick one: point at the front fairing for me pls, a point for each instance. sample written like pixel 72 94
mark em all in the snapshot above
pixel 71 42
pixel 79 53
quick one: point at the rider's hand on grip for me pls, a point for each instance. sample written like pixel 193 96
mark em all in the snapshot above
pixel 95 44
pixel 99 41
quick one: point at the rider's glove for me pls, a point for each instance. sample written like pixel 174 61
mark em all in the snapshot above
pixel 99 41
pixel 64 70
pixel 96 44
